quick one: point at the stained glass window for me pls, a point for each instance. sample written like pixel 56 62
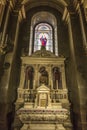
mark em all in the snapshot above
pixel 43 30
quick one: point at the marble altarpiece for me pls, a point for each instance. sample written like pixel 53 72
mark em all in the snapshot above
pixel 42 101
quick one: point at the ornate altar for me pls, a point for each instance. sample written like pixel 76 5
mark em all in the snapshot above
pixel 42 101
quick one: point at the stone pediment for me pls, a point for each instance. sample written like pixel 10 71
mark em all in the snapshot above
pixel 43 88
pixel 43 53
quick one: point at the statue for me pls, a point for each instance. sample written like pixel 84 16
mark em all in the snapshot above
pixel 44 76
pixel 56 77
pixel 29 77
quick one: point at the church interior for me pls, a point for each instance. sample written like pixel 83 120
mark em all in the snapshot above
pixel 43 65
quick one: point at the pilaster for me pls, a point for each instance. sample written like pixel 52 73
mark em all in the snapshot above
pixel 36 77
pixel 63 76
pixel 6 23
pixel 4 36
pixel 76 81
pixel 2 8
pixel 84 38
pixel 21 86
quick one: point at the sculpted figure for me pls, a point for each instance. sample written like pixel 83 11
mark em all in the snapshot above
pixel 43 76
pixel 56 77
pixel 29 77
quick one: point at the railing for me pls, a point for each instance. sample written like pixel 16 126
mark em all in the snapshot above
pixel 30 95
pixel 59 94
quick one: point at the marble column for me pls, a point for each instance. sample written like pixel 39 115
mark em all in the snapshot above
pixel 63 77
pixel 9 7
pixel 76 84
pixel 30 42
pixel 22 77
pixel 10 57
pixel 35 77
pixel 7 87
pixel 50 77
pixel 2 8
pixel 84 38
pixel 3 82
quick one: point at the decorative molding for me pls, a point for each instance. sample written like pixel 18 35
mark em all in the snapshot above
pixel 43 53
pixel 5 48
pixel 26 115
pixel 65 14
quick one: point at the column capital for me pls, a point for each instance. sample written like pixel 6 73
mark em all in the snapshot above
pixel 66 15
pixel 3 2
pixel 20 11
pixel 11 4
pixel 77 6
pixel 68 11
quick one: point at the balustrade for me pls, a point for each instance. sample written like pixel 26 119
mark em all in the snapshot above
pixel 30 95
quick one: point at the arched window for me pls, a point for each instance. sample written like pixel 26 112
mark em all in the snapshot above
pixel 41 27
pixel 43 31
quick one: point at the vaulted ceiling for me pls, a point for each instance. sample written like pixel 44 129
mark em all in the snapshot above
pixel 58 4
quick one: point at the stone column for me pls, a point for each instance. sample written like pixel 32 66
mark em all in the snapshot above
pixel 57 85
pixel 76 80
pixel 22 77
pixel 20 91
pixel 50 76
pixel 3 82
pixel 35 77
pixel 38 75
pixel 3 36
pixel 63 76
pixel 9 4
pixel 11 56
pixel 30 44
pixel 2 7
pixel 82 26
pixel 51 79
pixel 7 87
